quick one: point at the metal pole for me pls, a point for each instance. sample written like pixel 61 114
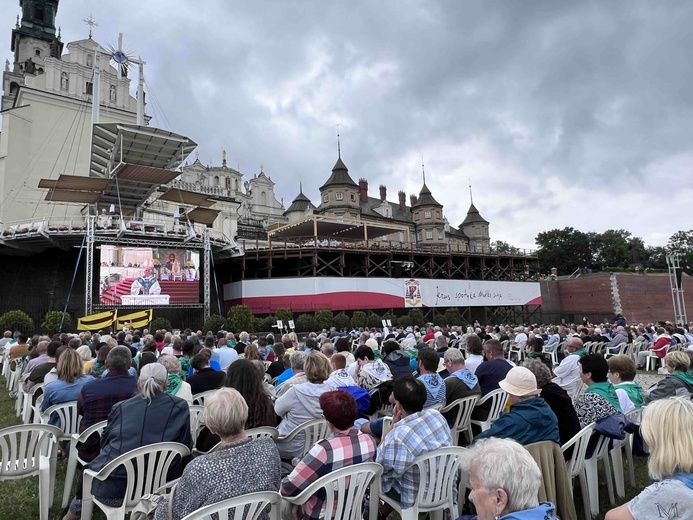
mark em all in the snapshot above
pixel 96 89
pixel 206 267
pixel 140 96
pixel 89 266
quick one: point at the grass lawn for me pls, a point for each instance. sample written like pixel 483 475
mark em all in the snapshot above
pixel 19 498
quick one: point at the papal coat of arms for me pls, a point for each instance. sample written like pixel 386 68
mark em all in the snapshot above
pixel 412 293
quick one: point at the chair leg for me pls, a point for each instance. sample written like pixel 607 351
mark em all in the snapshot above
pixel 69 478
pixel 592 485
pixel 617 462
pixel 44 489
pixel 584 490
pixel 629 458
pixel 608 475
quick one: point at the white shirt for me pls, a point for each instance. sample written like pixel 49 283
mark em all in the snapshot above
pixel 521 338
pixel 623 399
pixel 568 370
pixel 473 361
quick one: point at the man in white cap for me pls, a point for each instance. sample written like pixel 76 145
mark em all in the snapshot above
pixel 530 419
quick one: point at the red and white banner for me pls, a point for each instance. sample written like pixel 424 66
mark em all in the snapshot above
pixel 311 294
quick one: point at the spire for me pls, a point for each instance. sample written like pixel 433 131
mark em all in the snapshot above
pixel 423 170
pixel 300 184
pixel 471 197
pixel 339 146
pixel 223 158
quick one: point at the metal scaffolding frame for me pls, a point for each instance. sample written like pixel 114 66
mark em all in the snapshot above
pixel 674 264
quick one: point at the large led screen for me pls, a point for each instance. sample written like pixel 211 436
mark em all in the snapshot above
pixel 148 276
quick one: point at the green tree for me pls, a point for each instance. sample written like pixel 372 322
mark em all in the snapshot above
pixel 240 318
pixel 305 323
pixel 655 257
pixel 439 319
pixel 374 320
pixel 359 320
pixel 160 324
pixel 504 248
pixel 52 321
pixel 453 316
pixel 324 319
pixel 404 321
pixel 565 249
pixel 266 324
pixel 285 315
pixel 342 321
pixel 612 249
pixel 417 317
pixel 17 320
pixel 681 243
pixel 214 324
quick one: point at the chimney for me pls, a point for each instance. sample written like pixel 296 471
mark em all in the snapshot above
pixel 412 200
pixel 383 193
pixel 363 188
pixel 402 200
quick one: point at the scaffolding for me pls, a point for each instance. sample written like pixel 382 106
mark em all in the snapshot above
pixel 674 265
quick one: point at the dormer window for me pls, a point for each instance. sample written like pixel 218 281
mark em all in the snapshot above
pixel 427 214
pixel 339 196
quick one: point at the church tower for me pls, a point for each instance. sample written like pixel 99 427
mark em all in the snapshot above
pixel 340 194
pixel 33 40
pixel 476 228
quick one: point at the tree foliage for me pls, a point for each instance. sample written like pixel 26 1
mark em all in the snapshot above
pixel 681 243
pixel 240 318
pixel 305 323
pixel 214 324
pixel 612 249
pixel 359 320
pixel 52 321
pixel 160 324
pixel 324 319
pixel 285 315
pixel 504 248
pixel 453 316
pixel 342 321
pixel 17 320
pixel 374 320
pixel 417 317
pixel 565 249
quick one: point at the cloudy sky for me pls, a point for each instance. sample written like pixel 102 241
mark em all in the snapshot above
pixel 558 113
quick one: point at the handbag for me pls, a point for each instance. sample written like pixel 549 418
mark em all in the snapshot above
pixel 146 507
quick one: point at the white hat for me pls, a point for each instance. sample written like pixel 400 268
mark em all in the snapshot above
pixel 373 343
pixel 520 381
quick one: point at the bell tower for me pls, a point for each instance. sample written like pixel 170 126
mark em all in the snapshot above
pixel 34 38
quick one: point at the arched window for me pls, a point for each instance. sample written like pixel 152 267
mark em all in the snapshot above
pixel 216 181
pixel 14 87
pixel 228 183
pixel 263 198
pixel 37 53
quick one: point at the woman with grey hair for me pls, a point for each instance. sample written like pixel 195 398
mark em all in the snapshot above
pixel 505 482
pixel 557 398
pixel 175 384
pixel 239 466
pixel 150 417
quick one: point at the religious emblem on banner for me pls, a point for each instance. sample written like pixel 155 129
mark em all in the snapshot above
pixel 412 293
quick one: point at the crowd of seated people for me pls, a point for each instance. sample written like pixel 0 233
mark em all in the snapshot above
pixel 142 382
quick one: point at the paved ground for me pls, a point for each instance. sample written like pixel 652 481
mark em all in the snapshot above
pixel 647 380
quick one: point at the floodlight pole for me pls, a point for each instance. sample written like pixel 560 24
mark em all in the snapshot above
pixel 206 274
pixel 89 266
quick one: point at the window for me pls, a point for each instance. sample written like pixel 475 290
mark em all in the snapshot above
pixel 429 235
pixel 416 215
pixel 228 183
pixel 353 197
pixel 438 214
pixel 37 53
pixel 263 198
pixel 440 235
pixel 38 13
pixel 216 181
pixel 339 196
pixel 427 214
pixel 326 198
pixel 89 88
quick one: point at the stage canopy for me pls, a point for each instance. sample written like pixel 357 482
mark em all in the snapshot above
pixel 328 227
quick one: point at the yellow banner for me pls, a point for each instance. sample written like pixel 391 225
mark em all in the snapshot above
pixel 99 321
pixel 136 320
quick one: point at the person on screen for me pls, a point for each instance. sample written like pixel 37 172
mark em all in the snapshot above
pixel 171 261
pixel 146 284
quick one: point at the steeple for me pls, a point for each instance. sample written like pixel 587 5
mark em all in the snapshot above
pixel 426 198
pixel 301 202
pixel 38 22
pixel 340 174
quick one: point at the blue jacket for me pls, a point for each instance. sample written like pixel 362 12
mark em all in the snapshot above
pixel 544 511
pixel 526 422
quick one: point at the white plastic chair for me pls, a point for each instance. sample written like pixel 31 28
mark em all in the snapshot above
pixel 146 469
pixel 344 491
pixel 462 422
pixel 245 507
pixel 634 416
pixel 29 449
pixel 621 350
pixel 28 403
pixel 499 399
pixel 313 431
pixel 601 452
pixel 200 398
pixel 576 464
pixel 262 431
pixel 196 421
pixel 652 355
pixel 73 457
pixel 68 418
pixel 437 470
